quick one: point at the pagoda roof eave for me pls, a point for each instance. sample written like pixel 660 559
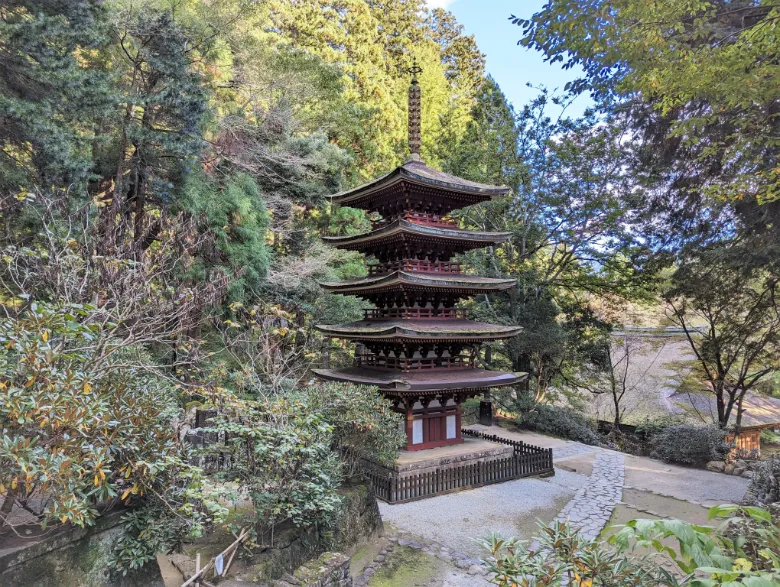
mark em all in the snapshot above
pixel 418 330
pixel 402 279
pixel 423 381
pixel 405 227
pixel 417 172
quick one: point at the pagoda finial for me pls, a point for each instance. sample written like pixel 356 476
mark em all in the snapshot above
pixel 414 112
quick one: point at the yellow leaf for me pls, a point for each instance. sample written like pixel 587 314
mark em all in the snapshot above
pixel 97 481
pixel 45 336
pixel 87 388
pixel 125 494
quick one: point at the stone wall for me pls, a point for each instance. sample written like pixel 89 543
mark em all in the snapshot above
pixel 739 467
pixel 73 557
pixel 331 569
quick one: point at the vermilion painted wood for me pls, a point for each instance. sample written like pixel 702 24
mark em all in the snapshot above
pixel 416 279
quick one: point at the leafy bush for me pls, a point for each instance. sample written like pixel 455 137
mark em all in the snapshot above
pixel 555 420
pixel 364 425
pixel 85 421
pixel 765 483
pixel 652 426
pixel 291 451
pixel 690 445
pixel 742 551
pixel 563 557
pixel 80 424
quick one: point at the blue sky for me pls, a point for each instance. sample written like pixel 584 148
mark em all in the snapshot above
pixel 510 65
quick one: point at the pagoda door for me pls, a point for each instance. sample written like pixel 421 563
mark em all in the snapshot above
pixel 434 425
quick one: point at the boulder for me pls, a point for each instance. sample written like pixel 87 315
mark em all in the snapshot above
pixel 738 471
pixel 729 469
pixel 716 466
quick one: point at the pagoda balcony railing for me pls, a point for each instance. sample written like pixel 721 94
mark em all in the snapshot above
pixel 424 218
pixel 414 313
pixel 414 265
pixel 415 364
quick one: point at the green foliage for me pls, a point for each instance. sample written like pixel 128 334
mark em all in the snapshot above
pixel 653 425
pixel 374 42
pixel 364 424
pixel 80 426
pixel 570 218
pixel 695 82
pixel 233 217
pixel 741 551
pixel 700 74
pixel 765 483
pixel 770 437
pixel 686 444
pixel 737 305
pixel 188 504
pixel 51 89
pixel 290 452
pixel 563 557
pixel 555 420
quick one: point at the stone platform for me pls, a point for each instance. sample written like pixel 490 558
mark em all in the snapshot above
pixel 469 451
pixel 475 462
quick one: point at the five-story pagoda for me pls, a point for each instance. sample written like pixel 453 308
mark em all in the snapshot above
pixel 416 346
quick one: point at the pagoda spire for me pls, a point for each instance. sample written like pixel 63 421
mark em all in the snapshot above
pixel 415 113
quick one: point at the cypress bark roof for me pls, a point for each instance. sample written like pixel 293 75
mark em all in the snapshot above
pixel 414 329
pixel 401 231
pixel 416 174
pixel 423 380
pixel 399 280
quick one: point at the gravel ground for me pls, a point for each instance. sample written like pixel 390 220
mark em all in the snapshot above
pixel 694 485
pixel 509 508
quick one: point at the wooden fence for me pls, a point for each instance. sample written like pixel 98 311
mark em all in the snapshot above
pixel 398 487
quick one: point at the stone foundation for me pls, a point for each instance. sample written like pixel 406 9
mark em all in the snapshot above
pixel 331 569
pixel 470 451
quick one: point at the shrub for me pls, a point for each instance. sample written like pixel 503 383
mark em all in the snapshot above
pixel 765 485
pixel 80 423
pixel 690 445
pixel 470 413
pixel 555 420
pixel 653 425
pixel 290 452
pixel 740 551
pixel 563 557
pixel 84 421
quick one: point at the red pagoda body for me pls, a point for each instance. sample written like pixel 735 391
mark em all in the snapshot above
pixel 416 346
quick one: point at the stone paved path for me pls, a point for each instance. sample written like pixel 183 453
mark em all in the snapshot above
pixel 592 505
